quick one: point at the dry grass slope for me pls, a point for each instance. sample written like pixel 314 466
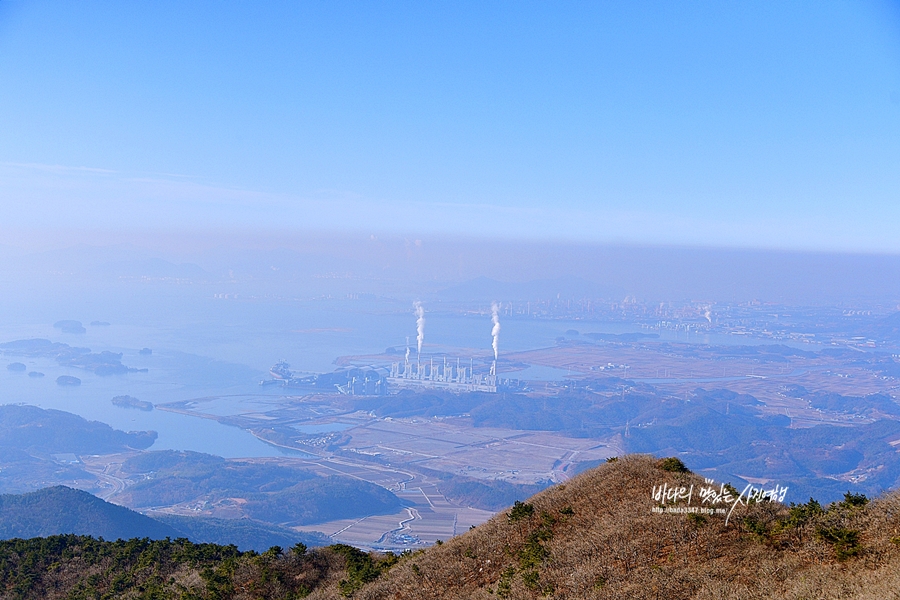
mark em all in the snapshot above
pixel 596 537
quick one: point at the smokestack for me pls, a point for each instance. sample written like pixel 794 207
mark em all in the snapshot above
pixel 420 325
pixel 495 330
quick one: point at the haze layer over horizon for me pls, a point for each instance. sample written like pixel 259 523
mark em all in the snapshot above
pixel 740 125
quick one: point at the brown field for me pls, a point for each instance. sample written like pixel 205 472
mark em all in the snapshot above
pixel 671 370
pixel 454 446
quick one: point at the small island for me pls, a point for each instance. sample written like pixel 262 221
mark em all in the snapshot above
pixel 145 352
pixel 67 380
pixel 16 366
pixel 35 374
pixel 132 402
pixel 69 326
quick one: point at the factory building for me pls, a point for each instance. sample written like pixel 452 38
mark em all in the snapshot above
pixel 444 375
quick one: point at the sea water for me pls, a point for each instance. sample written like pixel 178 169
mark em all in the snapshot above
pixel 207 346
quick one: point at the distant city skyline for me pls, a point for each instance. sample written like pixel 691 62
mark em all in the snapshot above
pixel 705 124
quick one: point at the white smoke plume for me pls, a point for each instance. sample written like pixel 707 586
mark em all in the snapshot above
pixel 420 325
pixel 495 331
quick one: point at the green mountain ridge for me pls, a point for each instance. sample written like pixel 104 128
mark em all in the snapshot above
pixel 246 534
pixel 61 510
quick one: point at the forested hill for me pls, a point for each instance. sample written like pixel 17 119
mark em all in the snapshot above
pixel 69 566
pixel 45 431
pixel 61 509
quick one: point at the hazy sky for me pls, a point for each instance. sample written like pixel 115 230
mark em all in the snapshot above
pixel 762 124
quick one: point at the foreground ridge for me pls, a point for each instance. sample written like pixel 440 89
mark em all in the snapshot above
pixel 599 535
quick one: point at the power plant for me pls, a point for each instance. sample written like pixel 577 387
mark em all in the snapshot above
pixel 419 374
pixel 446 376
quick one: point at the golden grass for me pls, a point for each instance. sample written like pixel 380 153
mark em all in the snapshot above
pixel 596 537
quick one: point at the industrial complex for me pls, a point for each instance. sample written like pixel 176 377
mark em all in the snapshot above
pixel 423 373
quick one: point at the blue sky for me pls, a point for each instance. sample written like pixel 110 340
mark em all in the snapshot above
pixel 750 124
